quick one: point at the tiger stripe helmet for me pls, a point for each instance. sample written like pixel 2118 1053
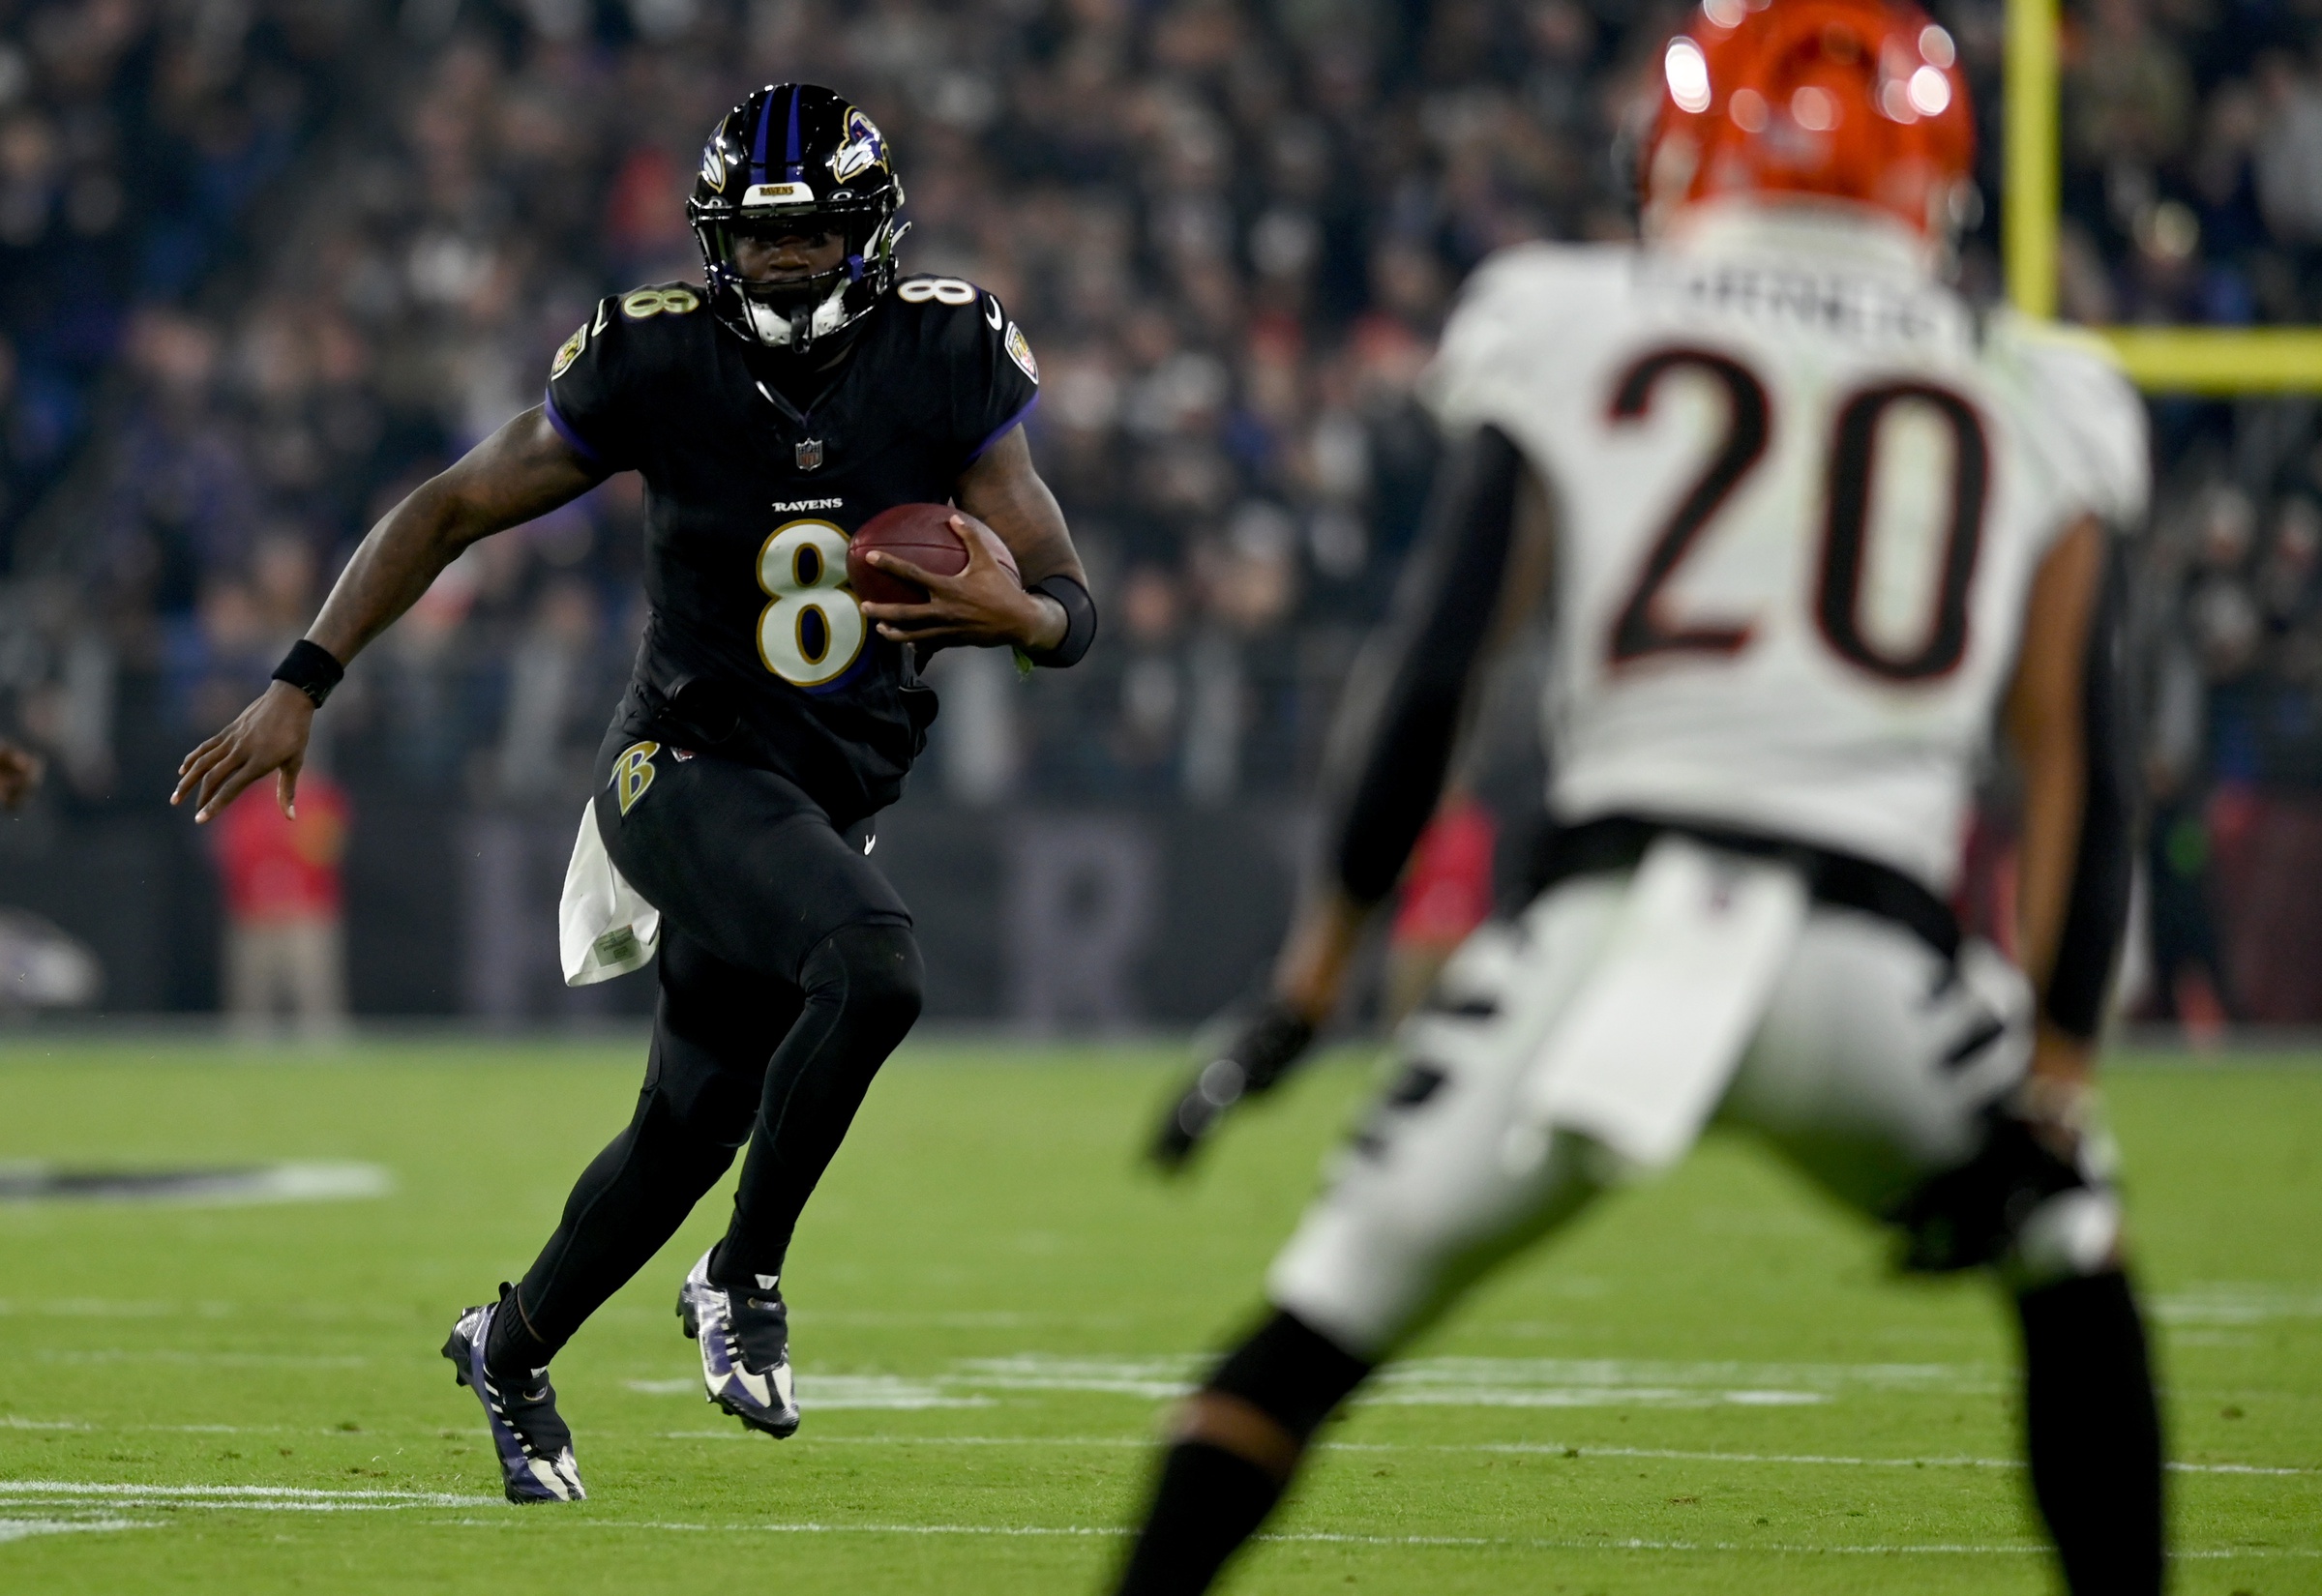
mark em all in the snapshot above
pixel 1850 99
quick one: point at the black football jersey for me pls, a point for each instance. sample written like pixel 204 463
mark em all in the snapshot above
pixel 756 646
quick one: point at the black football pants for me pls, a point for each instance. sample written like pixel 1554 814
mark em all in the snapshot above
pixel 788 973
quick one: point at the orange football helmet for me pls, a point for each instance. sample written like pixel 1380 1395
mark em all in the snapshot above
pixel 1855 100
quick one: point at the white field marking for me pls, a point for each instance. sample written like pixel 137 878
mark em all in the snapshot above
pixel 277 1497
pixel 8 1421
pixel 231 1360
pixel 1608 1543
pixel 9 1502
pixel 876 1319
pixel 90 1308
pixel 293 1182
pixel 1551 1448
pixel 826 1393
pixel 23 1529
pixel 1501 1383
pixel 2227 1303
pixel 1157 1379
pixel 1526 1448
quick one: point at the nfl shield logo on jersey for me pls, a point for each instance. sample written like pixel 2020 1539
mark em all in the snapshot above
pixel 809 453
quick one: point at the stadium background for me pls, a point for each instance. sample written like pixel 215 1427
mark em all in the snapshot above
pixel 266 263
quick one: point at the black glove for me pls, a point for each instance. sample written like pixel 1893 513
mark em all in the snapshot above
pixel 1259 1054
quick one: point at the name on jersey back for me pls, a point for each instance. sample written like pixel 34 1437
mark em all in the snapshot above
pixel 1830 302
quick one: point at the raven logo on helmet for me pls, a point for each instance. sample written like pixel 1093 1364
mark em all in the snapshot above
pixel 863 150
pixel 810 164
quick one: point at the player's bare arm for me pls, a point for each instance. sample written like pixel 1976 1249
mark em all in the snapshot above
pixel 2073 886
pixel 1002 502
pixel 521 471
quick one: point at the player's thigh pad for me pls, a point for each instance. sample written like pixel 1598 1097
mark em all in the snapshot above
pixel 737 858
pixel 1427 1194
pixel 1879 1060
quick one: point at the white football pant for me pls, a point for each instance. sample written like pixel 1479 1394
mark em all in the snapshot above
pixel 1870 1070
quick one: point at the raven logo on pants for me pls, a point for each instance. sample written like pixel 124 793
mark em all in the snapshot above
pixel 633 772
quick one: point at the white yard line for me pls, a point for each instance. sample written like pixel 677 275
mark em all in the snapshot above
pixel 279 1496
pixel 1607 1543
pixel 23 1529
pixel 1541 1448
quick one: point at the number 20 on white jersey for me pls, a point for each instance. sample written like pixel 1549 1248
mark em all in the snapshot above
pixel 1800 495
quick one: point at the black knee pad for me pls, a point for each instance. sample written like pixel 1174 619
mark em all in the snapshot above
pixel 2001 1204
pixel 872 971
pixel 1293 1374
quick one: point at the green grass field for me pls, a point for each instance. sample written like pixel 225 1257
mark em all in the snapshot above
pixel 1711 1386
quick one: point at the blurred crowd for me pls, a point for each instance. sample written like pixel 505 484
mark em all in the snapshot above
pixel 321 247
pixel 1230 230
pixel 2192 142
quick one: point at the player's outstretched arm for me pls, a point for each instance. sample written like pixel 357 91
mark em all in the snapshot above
pixel 1046 612
pixel 2064 719
pixel 1482 565
pixel 521 471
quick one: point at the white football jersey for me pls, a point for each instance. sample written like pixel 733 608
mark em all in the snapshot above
pixel 1802 491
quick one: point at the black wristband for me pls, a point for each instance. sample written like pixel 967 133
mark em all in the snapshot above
pixel 310 668
pixel 1080 622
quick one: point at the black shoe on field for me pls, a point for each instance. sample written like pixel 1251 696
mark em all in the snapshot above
pixel 534 1444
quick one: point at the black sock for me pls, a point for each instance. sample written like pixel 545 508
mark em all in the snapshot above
pixel 2093 1431
pixel 511 1350
pixel 1208 1501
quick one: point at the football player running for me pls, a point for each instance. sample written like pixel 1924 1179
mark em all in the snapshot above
pixel 771 412
pixel 1805 524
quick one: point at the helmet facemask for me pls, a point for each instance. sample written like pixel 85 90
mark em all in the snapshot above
pixel 795 311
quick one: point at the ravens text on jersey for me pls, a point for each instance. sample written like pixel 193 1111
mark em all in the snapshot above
pixel 755 644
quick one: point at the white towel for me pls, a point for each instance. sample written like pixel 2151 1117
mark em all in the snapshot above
pixel 1641 1057
pixel 603 925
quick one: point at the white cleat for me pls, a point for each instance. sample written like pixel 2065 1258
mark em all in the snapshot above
pixel 745 1338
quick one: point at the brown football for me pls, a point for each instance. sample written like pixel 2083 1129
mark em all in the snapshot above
pixel 920 533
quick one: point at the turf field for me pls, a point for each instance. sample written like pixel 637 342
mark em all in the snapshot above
pixel 1708 1388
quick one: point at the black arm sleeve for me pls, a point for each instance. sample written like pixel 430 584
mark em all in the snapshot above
pixel 1080 622
pixel 1403 717
pixel 2097 910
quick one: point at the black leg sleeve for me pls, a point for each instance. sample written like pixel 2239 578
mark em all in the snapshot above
pixel 861 988
pixel 1206 1502
pixel 2093 1430
pixel 701 1089
pixel 1209 1501
pixel 628 1203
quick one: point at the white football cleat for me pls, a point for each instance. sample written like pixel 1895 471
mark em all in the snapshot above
pixel 745 1338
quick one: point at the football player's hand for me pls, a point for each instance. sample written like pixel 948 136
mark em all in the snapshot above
pixel 1259 1054
pixel 20 771
pixel 984 603
pixel 2058 1098
pixel 268 738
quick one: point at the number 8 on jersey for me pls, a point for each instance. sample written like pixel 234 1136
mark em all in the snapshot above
pixel 812 628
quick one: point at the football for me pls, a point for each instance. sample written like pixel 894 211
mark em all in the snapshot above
pixel 920 533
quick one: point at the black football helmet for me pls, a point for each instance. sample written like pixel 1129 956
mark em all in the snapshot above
pixel 796 157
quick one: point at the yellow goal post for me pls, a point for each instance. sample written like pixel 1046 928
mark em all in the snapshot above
pixel 2168 360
